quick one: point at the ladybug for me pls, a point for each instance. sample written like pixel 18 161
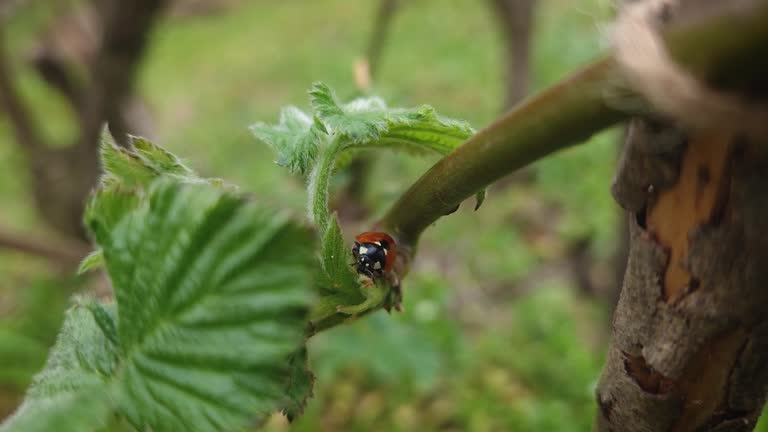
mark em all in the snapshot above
pixel 374 254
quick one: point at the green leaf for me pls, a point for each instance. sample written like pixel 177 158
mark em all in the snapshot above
pixel 86 409
pixel 323 101
pixel 338 284
pixel 127 173
pixel 70 394
pixel 212 293
pixel 124 166
pixel 93 261
pixel 300 385
pixel 105 319
pixel 160 159
pixel 336 262
pixel 363 122
pixel 296 139
pixel 108 207
pixel 307 144
pixel 140 163
pixel 423 127
pixel 376 294
pixel 368 122
pixel 317 143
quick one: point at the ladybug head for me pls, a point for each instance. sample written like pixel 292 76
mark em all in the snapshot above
pixel 370 258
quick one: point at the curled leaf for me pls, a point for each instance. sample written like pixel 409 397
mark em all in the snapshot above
pixel 321 141
pixel 93 261
pixel 296 139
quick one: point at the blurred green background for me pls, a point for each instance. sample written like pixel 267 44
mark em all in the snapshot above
pixel 498 334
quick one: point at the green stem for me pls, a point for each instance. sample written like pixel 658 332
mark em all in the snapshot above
pixel 561 116
pixel 319 182
pixel 573 110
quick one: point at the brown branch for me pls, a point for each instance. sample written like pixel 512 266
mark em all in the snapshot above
pixel 67 253
pixel 62 177
pixel 515 19
pixel 381 27
pixel 561 116
pixel 68 42
pixel 21 120
pixel 54 71
pixel 125 32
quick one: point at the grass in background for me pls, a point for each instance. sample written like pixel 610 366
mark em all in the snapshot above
pixel 474 351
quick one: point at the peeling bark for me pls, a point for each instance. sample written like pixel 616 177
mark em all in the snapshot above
pixel 689 329
pixel 690 338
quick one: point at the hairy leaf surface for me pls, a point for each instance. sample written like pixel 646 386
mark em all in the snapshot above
pixel 70 394
pixel 212 293
pixel 300 385
pixel 316 144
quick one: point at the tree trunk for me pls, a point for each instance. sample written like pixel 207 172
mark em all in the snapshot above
pixel 515 19
pixel 620 255
pixel 62 178
pixel 690 333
